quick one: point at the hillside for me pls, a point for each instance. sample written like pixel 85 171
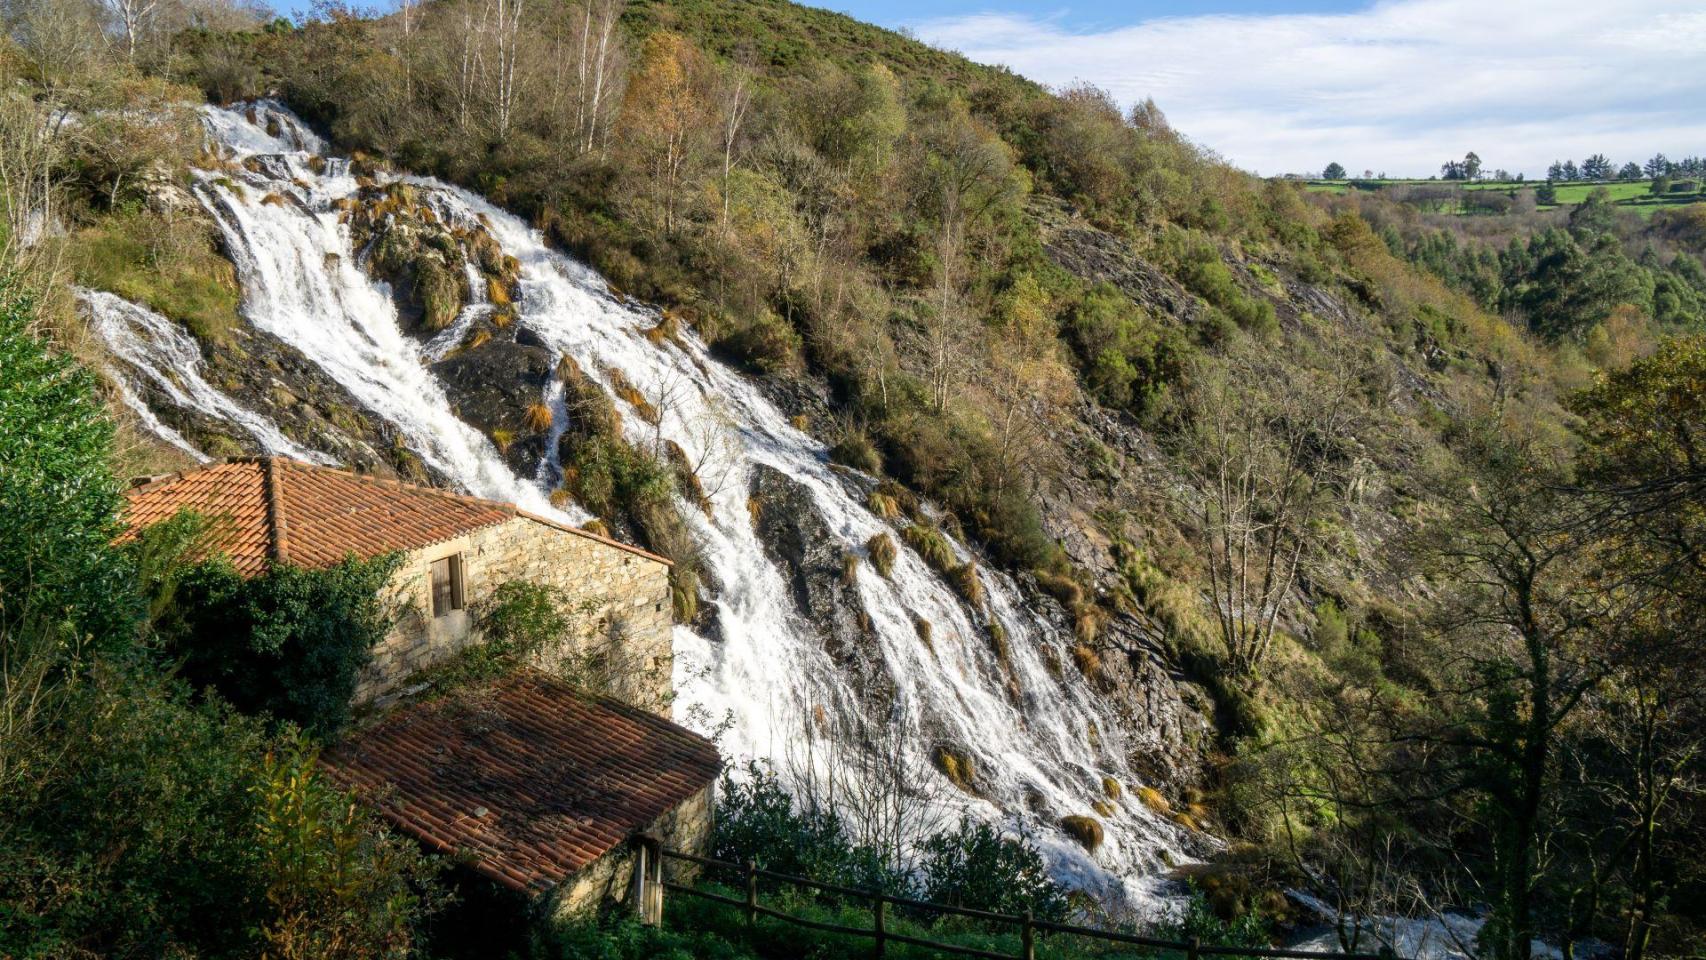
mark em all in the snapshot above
pixel 1000 431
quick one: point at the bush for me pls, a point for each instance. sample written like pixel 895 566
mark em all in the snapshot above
pixel 757 821
pixel 976 866
pixel 856 450
pixel 765 345
pixel 521 618
pixel 167 829
pixel 59 501
pixel 290 643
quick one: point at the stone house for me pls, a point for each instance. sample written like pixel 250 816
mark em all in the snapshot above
pixel 537 781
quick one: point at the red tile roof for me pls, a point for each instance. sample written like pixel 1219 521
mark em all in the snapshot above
pixel 529 778
pixel 277 509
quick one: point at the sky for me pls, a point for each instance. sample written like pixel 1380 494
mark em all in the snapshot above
pixel 1396 87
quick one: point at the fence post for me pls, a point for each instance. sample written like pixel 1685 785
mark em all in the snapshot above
pixel 1028 936
pixel 1191 950
pixel 751 894
pixel 881 944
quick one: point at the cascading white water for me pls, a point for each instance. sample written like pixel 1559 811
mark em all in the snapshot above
pixel 301 283
pixel 154 347
pixel 767 672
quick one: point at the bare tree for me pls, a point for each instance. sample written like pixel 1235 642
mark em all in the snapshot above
pixel 135 17
pixel 736 98
pixel 1260 453
pixel 32 146
pixel 859 768
pixel 507 47
pixel 62 40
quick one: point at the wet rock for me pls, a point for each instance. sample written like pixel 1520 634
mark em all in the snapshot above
pixel 491 388
pixel 798 540
pixel 276 381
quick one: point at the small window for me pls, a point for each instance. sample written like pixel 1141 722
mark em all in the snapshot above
pixel 447 594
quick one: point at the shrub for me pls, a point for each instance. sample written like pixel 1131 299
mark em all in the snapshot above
pixel 289 643
pixel 757 821
pixel 520 618
pixel 975 866
pixel 168 829
pixel 765 345
pixel 336 884
pixel 856 450
pixel 58 499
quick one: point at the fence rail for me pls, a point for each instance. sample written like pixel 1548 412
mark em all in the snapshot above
pixel 880 935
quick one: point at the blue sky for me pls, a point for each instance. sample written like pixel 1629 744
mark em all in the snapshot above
pixel 1095 14
pixel 1395 86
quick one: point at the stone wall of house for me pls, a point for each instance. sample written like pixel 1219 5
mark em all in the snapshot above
pixel 618 599
pixel 609 880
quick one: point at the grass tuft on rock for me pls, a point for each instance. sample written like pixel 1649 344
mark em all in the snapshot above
pixel 1153 799
pixel 538 417
pixel 1086 830
pixel 929 543
pixel 882 551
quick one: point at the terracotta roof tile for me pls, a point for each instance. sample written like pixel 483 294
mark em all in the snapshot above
pixel 273 508
pixel 561 777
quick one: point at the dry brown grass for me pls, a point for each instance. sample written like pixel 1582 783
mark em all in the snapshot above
pixel 538 417
pixel 882 550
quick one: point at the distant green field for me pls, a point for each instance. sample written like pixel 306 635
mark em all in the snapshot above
pixel 1625 193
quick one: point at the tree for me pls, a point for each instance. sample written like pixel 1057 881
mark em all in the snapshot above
pixel 1260 448
pixel 1630 171
pixel 663 117
pixel 1570 171
pixel 1658 166
pixel 1334 171
pixel 1471 166
pixel 1453 170
pixel 1597 167
pixel 1546 194
pixel 734 99
pixel 1660 185
pixel 135 18
pixel 1644 476
pixel 1524 628
pixel 1555 171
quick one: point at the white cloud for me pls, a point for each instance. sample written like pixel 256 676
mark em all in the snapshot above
pixel 1399 87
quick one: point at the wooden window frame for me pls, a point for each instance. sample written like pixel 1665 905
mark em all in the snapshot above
pixel 456 575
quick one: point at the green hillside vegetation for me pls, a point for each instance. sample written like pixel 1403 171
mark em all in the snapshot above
pixel 1636 195
pixel 1460 450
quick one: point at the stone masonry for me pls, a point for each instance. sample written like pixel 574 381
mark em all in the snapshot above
pixel 619 599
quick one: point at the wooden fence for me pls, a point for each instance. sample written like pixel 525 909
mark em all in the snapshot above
pixel 650 884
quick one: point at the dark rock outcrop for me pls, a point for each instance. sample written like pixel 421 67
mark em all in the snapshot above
pixel 797 539
pixel 491 388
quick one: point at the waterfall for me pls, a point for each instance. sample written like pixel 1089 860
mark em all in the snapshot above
pixel 157 350
pixel 764 678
